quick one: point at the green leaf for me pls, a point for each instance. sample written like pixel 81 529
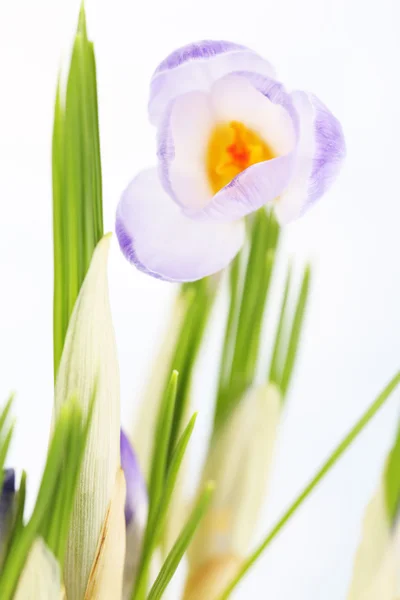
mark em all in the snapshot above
pixel 172 474
pixel 158 511
pixel 6 433
pixel 5 412
pixel 392 480
pixel 77 182
pixel 200 298
pixel 4 447
pixel 248 302
pixel 235 282
pixel 161 444
pixel 175 556
pixel 276 368
pixel 295 334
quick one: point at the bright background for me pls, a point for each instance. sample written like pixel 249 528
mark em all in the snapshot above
pixel 344 51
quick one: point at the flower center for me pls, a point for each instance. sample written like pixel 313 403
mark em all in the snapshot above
pixel 232 148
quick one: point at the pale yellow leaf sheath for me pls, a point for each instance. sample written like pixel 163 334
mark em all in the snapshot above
pixel 89 364
pixel 376 574
pixel 41 577
pixel 106 577
pixel 239 463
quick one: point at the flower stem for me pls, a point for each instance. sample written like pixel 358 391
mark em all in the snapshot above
pixel 323 471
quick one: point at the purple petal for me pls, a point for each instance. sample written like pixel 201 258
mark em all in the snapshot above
pixel 330 150
pixel 196 67
pixel 136 495
pixel 320 153
pixel 204 49
pixel 160 240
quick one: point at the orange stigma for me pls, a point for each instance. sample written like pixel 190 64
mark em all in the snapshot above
pixel 232 148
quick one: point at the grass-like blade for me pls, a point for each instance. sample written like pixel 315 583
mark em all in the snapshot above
pixel 276 367
pixel 77 182
pixel 200 297
pixel 171 478
pixel 392 480
pixel 235 282
pixel 5 412
pixel 161 443
pixel 294 338
pixel 157 518
pixel 175 556
pixel 248 302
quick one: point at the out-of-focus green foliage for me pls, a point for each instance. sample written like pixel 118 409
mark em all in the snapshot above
pixel 51 515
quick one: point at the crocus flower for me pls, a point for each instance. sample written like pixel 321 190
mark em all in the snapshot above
pixel 136 509
pixel 239 462
pixel 230 139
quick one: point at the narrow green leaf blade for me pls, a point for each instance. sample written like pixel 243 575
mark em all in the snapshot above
pixel 294 339
pixel 392 480
pixel 175 556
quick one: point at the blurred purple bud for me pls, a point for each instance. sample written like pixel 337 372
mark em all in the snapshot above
pixel 7 504
pixel 136 495
pixel 8 482
pixel 136 506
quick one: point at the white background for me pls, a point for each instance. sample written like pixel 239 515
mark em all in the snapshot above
pixel 344 51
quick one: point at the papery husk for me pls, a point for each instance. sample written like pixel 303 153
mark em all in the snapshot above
pixel 106 576
pixel 376 574
pixel 211 578
pixel 239 463
pixel 41 576
pixel 89 366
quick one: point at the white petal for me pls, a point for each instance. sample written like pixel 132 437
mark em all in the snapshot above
pixel 234 98
pixel 182 143
pixel 160 240
pixel 291 202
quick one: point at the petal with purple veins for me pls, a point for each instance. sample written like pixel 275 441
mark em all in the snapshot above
pixel 196 67
pixel 320 154
pixel 161 241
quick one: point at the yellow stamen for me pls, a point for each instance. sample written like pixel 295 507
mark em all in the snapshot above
pixel 232 148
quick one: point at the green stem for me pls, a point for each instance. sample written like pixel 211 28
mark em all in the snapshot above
pixel 326 467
